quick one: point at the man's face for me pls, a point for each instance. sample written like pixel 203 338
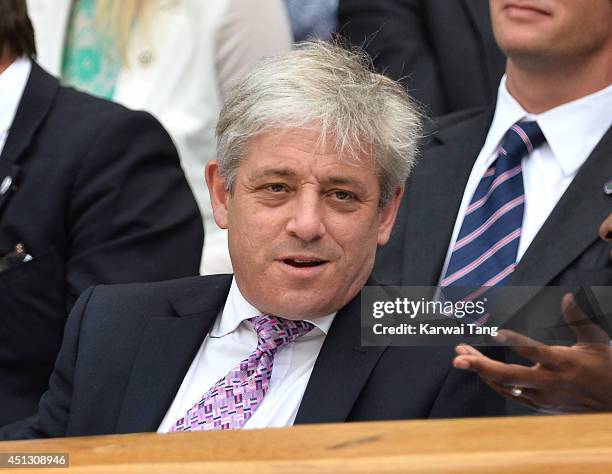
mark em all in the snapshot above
pixel 303 224
pixel 545 31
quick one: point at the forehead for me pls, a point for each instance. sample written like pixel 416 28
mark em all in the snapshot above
pixel 303 151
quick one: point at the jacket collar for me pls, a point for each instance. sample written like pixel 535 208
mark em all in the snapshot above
pixel 38 96
pixel 161 362
pixel 36 101
pixel 166 350
pixel 439 181
pixel 341 370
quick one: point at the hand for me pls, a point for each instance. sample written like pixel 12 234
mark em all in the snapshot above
pixel 563 379
pixel 605 231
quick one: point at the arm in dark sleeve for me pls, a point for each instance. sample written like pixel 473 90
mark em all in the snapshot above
pixel 54 407
pixel 132 216
pixel 395 34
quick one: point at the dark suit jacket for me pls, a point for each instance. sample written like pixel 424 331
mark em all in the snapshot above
pixel 442 51
pixel 567 250
pixel 128 347
pixel 98 196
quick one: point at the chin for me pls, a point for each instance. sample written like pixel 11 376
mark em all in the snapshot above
pixel 294 311
pixel 299 305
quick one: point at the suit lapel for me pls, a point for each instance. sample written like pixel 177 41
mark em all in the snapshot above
pixel 582 208
pixel 341 370
pixel 35 103
pixel 33 108
pixel 168 346
pixel 438 184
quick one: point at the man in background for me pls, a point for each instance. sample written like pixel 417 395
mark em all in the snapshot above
pixel 90 192
pixel 515 194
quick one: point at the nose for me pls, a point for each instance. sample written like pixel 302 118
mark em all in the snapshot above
pixel 306 221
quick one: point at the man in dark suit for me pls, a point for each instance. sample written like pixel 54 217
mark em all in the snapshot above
pixel 308 181
pixel 90 192
pixel 443 52
pixel 545 234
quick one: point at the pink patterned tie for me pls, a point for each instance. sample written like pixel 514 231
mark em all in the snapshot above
pixel 230 402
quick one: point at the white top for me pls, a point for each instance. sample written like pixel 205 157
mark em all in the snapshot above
pixel 572 131
pixel 12 84
pixel 231 340
pixel 179 64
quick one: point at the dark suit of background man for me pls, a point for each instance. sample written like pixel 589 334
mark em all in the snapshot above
pixel 304 218
pixel 559 73
pixel 442 51
pixel 90 192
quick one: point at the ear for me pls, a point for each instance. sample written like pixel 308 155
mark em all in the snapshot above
pixel 218 195
pixel 388 214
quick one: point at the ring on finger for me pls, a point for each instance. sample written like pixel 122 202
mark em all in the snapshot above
pixel 516 391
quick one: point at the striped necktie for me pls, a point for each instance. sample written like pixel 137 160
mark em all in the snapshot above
pixel 230 402
pixel 485 252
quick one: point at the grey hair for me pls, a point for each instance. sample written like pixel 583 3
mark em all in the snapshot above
pixel 323 85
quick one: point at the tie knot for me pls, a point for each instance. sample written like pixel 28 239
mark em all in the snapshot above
pixel 273 332
pixel 521 139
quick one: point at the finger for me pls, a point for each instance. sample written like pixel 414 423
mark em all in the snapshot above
pixel 586 331
pixel 504 374
pixel 466 349
pixel 605 231
pixel 528 348
pixel 527 397
pixel 527 394
pixel 512 338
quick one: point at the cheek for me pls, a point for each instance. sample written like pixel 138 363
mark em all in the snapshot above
pixel 359 237
pixel 599 29
pixel 242 236
pixel 254 231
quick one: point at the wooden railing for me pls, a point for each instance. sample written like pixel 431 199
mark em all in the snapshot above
pixel 549 444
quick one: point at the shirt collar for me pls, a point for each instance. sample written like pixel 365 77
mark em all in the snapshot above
pixel 588 118
pixel 12 84
pixel 237 309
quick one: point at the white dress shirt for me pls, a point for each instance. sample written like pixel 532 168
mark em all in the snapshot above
pixel 232 339
pixel 12 84
pixel 572 131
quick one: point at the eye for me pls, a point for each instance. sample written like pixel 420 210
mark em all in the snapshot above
pixel 275 187
pixel 343 195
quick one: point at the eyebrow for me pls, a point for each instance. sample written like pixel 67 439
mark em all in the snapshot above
pixel 344 181
pixel 268 172
pixel 359 185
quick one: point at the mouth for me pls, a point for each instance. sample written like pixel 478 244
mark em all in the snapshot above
pixel 305 262
pixel 524 9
